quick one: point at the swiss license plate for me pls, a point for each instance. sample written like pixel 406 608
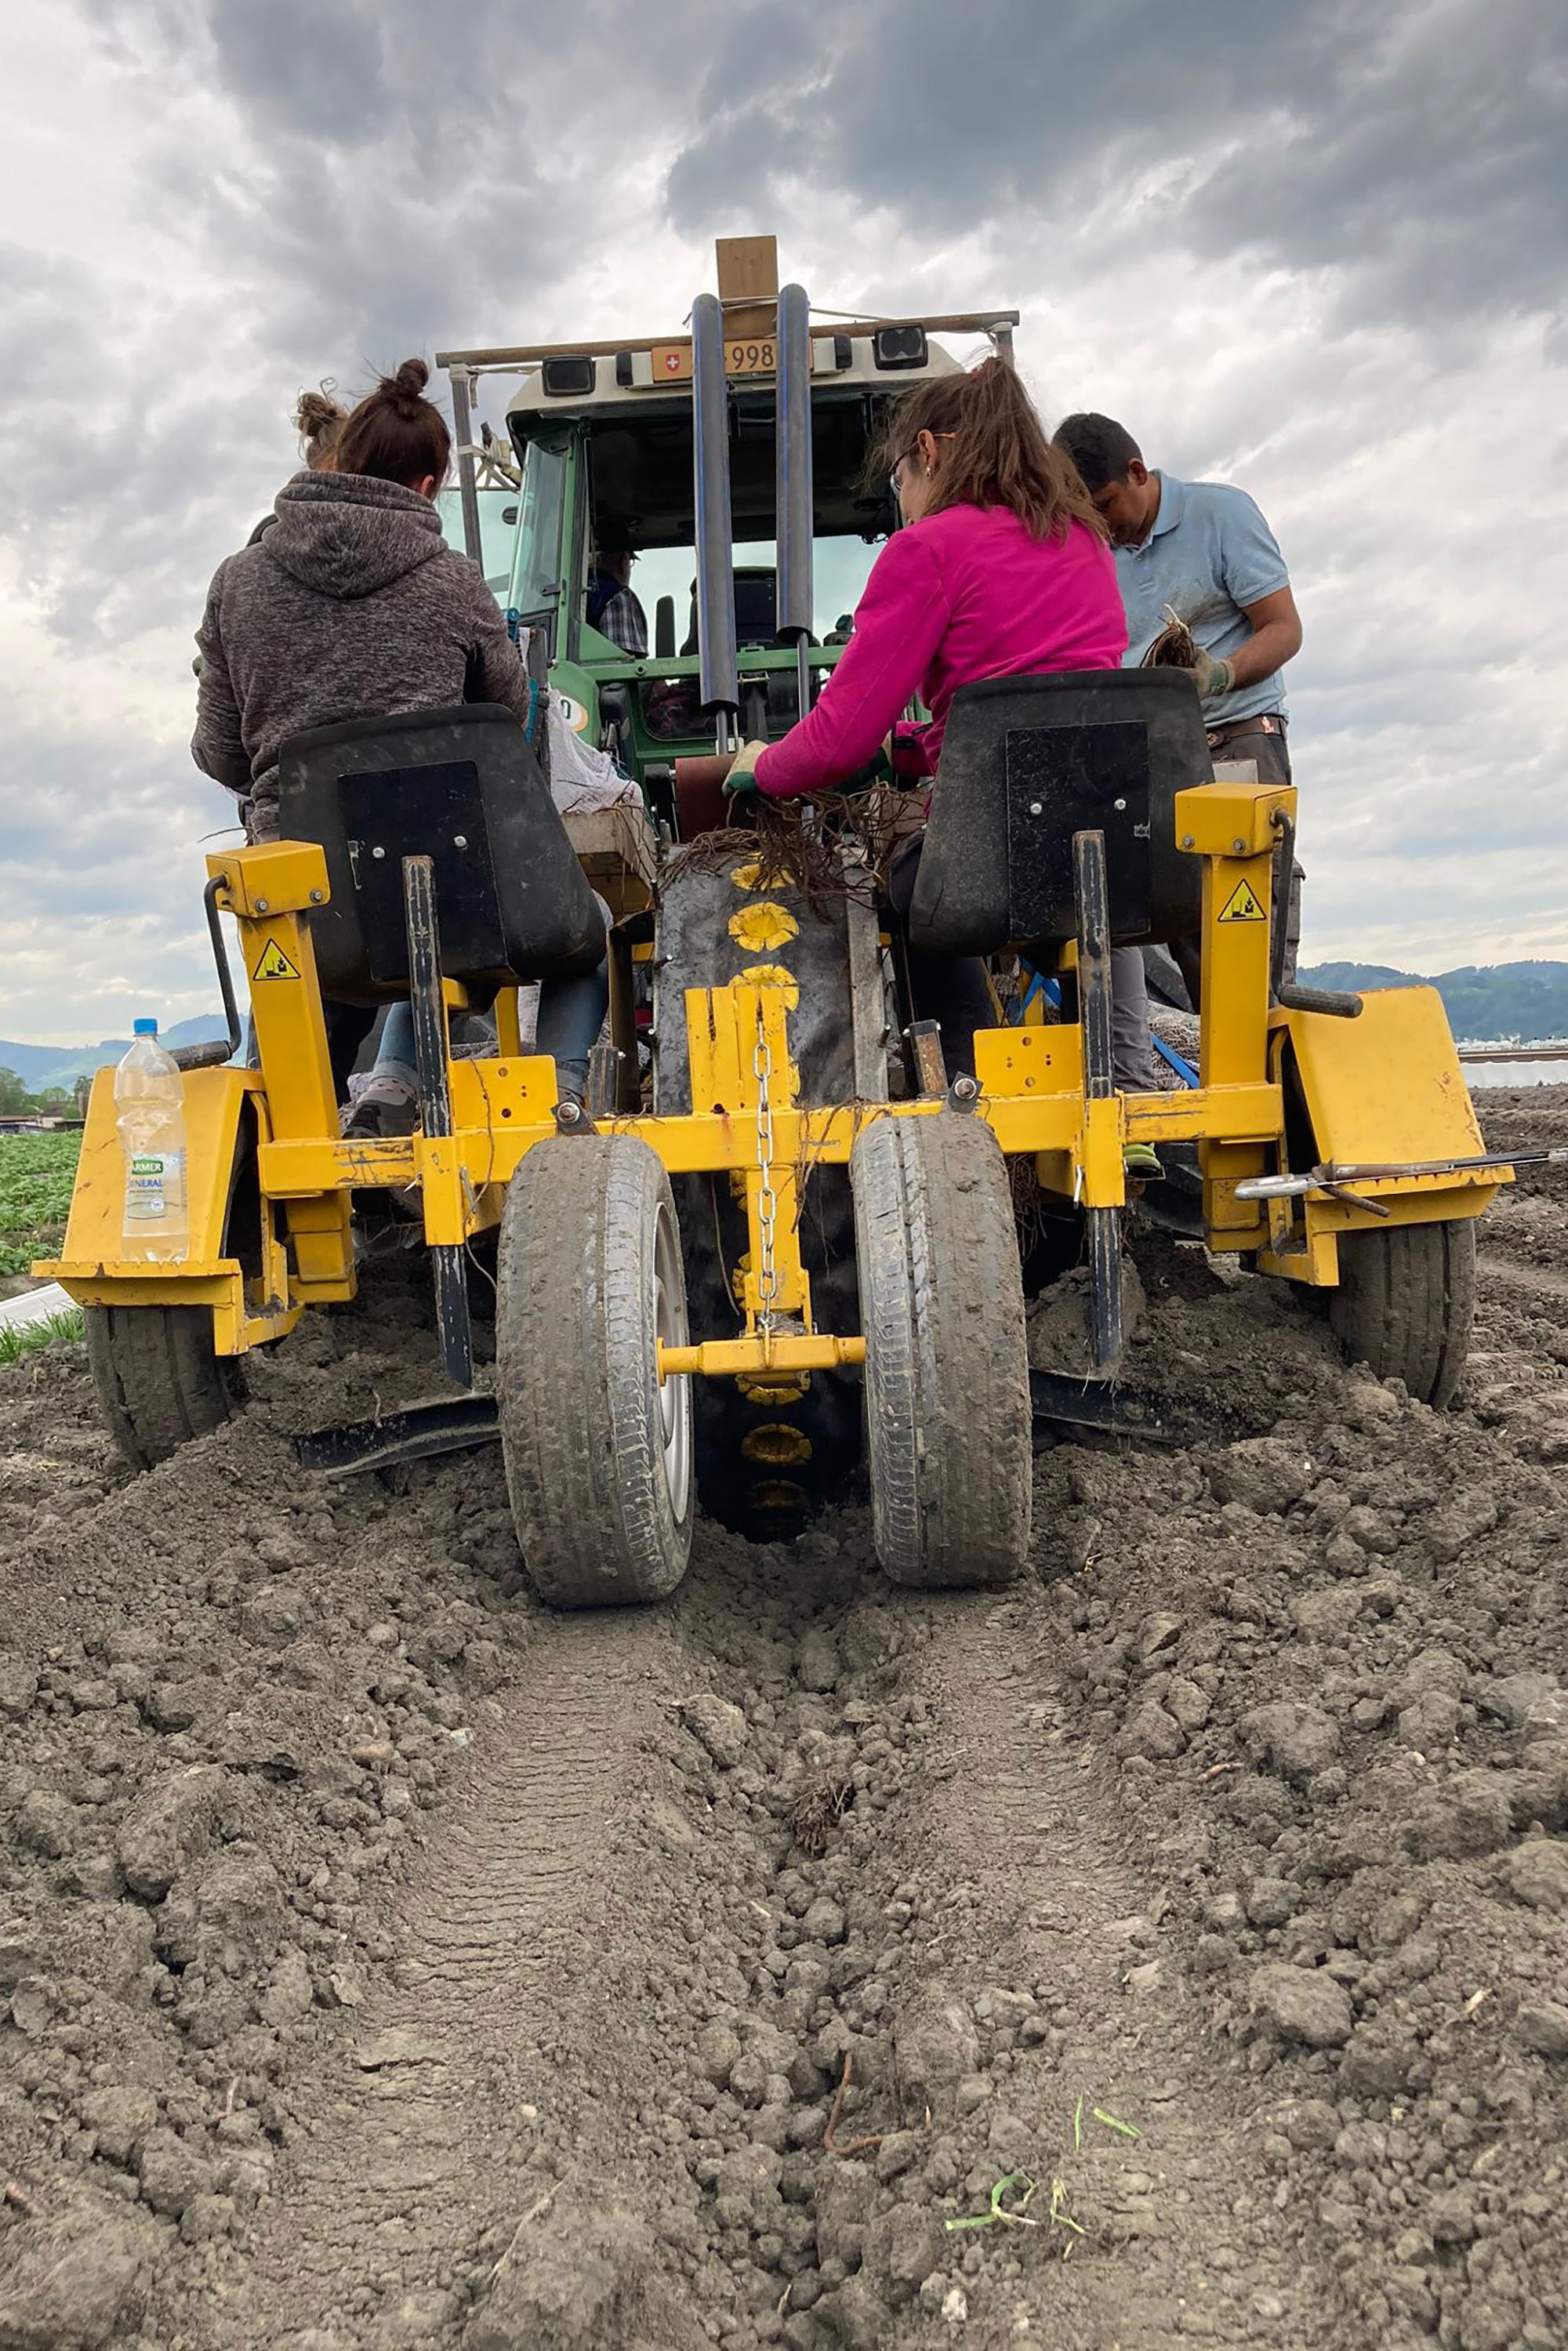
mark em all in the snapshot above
pixel 760 357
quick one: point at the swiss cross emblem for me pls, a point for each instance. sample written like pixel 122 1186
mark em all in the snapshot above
pixel 672 362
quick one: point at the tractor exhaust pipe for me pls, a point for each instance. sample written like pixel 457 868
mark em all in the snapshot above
pixel 719 681
pixel 793 500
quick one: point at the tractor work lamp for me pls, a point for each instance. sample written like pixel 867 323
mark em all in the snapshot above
pixel 568 379
pixel 900 347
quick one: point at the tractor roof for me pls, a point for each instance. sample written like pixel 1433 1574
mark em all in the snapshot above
pixel 630 372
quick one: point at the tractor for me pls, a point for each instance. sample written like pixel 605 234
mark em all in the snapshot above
pixel 774 1258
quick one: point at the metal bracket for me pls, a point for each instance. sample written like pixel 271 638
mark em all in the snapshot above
pixel 930 1068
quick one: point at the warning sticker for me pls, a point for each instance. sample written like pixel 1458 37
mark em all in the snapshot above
pixel 274 964
pixel 1243 905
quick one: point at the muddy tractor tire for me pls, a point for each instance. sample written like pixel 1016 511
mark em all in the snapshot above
pixel 158 1380
pixel 598 1454
pixel 948 1430
pixel 1405 1304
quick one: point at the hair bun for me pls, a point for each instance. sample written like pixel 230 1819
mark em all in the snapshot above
pixel 409 381
pixel 317 409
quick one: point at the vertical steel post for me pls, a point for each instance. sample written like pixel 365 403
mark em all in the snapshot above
pixel 1103 1225
pixel 719 683
pixel 463 433
pixel 448 1264
pixel 793 506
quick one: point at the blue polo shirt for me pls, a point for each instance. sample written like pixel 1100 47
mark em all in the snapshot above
pixel 1209 553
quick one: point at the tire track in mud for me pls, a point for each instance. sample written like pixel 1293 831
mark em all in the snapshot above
pixel 424 2129
pixel 1031 1829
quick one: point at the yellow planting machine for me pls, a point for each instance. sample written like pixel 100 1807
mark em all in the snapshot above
pixel 777 1250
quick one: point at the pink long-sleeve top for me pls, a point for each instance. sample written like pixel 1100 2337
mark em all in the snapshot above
pixel 962 595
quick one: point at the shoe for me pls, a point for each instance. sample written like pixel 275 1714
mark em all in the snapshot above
pixel 1142 1163
pixel 385 1110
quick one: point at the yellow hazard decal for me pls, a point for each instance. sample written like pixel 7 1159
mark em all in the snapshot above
pixel 1243 905
pixel 274 964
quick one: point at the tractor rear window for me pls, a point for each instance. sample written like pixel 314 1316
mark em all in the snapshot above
pixel 839 567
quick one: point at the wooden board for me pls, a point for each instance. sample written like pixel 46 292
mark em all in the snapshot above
pixel 618 849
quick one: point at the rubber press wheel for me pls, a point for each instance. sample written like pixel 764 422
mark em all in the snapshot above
pixel 948 1430
pixel 158 1380
pixel 598 1454
pixel 1406 1301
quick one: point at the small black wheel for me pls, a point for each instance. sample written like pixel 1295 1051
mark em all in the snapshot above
pixel 1406 1301
pixel 948 1426
pixel 598 1453
pixel 158 1380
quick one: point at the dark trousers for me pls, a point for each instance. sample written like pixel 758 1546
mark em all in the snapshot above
pixel 952 991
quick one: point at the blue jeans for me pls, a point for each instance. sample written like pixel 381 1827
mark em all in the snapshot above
pixel 571 1014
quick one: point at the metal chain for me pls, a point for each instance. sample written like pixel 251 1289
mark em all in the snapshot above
pixel 767 1199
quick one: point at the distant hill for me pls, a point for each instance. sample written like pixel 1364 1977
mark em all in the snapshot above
pixel 1526 1000
pixel 59 1065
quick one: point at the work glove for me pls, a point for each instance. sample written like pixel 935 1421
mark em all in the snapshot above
pixel 1211 677
pixel 741 780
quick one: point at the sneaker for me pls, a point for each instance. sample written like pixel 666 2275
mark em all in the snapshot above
pixel 1140 1162
pixel 384 1109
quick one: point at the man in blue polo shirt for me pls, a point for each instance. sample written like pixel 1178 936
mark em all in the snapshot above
pixel 1203 551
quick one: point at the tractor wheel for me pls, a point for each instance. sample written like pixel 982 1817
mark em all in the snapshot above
pixel 158 1380
pixel 1405 1303
pixel 598 1454
pixel 948 1426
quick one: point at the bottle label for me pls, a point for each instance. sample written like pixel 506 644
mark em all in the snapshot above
pixel 154 1185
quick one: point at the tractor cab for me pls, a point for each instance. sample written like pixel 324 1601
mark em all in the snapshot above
pixel 733 465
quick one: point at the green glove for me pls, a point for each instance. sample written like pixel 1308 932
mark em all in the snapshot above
pixel 742 776
pixel 1212 677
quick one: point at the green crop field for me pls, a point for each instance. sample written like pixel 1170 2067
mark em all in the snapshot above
pixel 37 1171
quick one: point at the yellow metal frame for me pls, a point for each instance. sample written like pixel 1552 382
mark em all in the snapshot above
pixel 1032 1095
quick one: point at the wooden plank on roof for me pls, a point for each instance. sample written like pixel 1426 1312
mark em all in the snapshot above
pixel 748 286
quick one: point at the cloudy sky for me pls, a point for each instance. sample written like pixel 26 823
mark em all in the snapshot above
pixel 1317 249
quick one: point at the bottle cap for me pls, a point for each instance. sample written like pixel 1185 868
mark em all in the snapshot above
pixel 144 1028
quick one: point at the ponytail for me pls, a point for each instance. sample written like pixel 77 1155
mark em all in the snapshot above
pixel 995 452
pixel 395 435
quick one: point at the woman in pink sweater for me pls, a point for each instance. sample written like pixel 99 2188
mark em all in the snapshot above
pixel 1003 570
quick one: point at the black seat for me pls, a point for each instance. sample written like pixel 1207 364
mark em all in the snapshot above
pixel 461 787
pixel 756 611
pixel 1028 761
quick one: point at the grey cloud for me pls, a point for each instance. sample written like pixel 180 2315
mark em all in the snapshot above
pixel 1419 147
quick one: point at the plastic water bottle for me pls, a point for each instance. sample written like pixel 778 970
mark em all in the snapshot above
pixel 149 1095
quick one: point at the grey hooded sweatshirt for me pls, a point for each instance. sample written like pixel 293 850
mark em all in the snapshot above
pixel 350 605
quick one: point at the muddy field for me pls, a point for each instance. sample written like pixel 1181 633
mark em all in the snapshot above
pixel 1176 1948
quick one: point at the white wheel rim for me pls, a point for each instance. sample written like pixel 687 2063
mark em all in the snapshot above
pixel 675 1394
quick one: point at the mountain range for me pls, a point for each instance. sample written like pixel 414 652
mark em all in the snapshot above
pixel 1484 1003
pixel 39 1066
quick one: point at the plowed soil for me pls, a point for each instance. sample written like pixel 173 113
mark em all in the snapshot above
pixel 1175 1947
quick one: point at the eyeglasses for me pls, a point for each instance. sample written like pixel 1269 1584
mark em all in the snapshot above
pixel 900 463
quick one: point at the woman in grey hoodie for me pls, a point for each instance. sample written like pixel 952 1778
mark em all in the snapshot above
pixel 350 604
